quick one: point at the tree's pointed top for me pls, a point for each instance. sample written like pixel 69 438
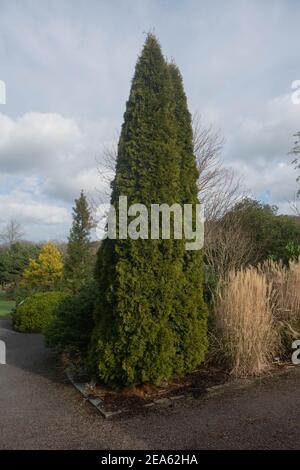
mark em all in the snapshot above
pixel 173 66
pixel 151 40
pixel 151 47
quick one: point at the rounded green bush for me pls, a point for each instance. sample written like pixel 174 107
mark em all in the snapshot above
pixel 35 313
pixel 73 322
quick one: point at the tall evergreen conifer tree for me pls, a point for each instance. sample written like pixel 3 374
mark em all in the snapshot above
pixel 142 313
pixel 78 263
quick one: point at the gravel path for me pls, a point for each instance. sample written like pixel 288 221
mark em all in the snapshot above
pixel 40 410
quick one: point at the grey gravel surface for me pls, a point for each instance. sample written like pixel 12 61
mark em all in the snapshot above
pixel 39 409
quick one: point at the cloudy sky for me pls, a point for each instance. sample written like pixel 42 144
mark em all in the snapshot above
pixel 67 66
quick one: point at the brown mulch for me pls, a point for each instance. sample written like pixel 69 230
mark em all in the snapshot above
pixel 194 384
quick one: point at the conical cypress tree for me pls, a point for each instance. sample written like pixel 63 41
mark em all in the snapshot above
pixel 191 318
pixel 78 262
pixel 138 334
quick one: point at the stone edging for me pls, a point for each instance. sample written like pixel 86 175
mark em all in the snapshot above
pixel 96 402
pixel 236 384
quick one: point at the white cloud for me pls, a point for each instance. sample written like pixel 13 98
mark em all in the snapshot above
pixel 257 146
pixel 59 151
pixel 45 161
pixel 267 132
pixel 20 206
pixel 68 184
pixel 38 141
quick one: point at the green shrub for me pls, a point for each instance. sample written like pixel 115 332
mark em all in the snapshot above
pixel 35 313
pixel 18 294
pixel 210 283
pixel 73 323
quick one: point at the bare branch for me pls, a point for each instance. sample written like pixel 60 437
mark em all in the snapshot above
pixel 12 233
pixel 295 205
pixel 220 188
pixel 208 144
pixel 227 247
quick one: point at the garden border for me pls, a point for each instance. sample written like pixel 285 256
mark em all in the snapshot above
pixel 235 384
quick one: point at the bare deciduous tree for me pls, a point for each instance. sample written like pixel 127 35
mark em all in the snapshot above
pixel 295 205
pixel 295 151
pixel 221 198
pixel 227 247
pixel 208 145
pixel 12 233
pixel 219 187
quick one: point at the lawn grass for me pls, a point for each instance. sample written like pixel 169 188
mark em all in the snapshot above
pixel 5 305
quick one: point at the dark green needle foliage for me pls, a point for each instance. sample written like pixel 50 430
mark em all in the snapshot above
pixel 78 267
pixel 73 322
pixel 191 317
pixel 150 322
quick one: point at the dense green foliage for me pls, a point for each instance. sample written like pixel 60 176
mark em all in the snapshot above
pixel 273 236
pixel 73 322
pixel 35 313
pixel 150 321
pixel 190 319
pixel 13 261
pixel 78 265
pixel 6 305
pixel 292 251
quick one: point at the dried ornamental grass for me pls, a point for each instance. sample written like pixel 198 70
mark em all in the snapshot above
pixel 244 322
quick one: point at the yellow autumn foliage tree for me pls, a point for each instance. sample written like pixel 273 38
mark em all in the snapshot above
pixel 44 273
